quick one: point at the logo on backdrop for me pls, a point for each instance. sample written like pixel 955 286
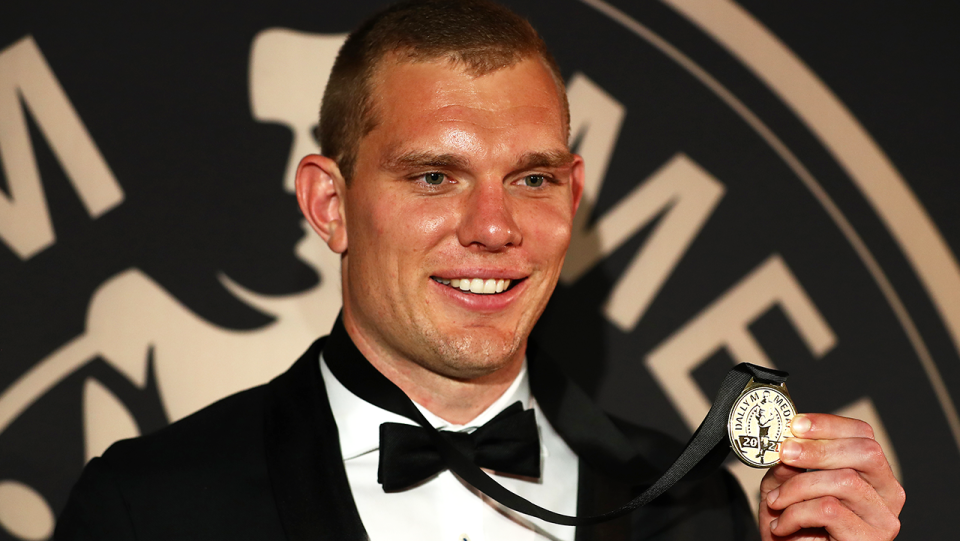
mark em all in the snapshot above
pixel 145 357
pixel 155 261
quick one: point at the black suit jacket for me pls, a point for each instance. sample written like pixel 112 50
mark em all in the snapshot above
pixel 265 464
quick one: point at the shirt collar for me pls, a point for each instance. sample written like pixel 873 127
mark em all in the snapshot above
pixel 358 421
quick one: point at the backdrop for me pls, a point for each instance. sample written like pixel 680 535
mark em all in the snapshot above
pixel 766 181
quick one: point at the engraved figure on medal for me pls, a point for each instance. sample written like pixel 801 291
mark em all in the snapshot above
pixel 759 421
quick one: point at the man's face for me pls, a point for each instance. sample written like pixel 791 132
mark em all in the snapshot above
pixel 464 178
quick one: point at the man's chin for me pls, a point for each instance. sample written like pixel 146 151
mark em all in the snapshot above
pixel 474 357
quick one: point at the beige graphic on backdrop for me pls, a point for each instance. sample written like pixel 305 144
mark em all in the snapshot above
pixel 673 361
pixel 680 189
pixel 725 325
pixel 131 317
pixel 288 72
pixel 25 224
pixel 860 156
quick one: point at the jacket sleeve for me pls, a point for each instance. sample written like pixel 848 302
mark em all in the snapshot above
pixel 95 509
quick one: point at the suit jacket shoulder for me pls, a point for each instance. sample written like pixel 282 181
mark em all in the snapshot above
pixel 262 464
pixel 203 477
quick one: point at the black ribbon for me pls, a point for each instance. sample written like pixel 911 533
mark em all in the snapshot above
pixel 356 374
pixel 508 443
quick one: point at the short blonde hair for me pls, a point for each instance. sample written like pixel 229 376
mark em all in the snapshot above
pixel 479 35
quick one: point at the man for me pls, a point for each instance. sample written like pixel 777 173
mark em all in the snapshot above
pixel 449 190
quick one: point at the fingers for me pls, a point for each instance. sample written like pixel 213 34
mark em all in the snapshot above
pixel 821 426
pixel 771 482
pixel 777 476
pixel 842 443
pixel 850 494
pixel 839 521
pixel 845 485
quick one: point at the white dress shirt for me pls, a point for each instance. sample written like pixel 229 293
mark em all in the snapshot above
pixel 445 508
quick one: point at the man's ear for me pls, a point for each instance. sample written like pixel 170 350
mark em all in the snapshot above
pixel 577 181
pixel 320 192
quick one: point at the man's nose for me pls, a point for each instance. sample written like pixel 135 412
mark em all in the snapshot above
pixel 488 221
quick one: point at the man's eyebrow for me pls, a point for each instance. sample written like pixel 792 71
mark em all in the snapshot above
pixel 548 160
pixel 420 159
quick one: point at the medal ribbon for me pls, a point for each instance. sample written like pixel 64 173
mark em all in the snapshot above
pixel 362 379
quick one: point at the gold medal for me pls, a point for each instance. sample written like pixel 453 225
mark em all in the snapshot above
pixel 759 421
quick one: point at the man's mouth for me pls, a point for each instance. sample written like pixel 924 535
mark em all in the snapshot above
pixel 480 286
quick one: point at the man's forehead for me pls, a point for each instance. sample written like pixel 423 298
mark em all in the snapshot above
pixel 434 113
pixel 505 116
pixel 447 91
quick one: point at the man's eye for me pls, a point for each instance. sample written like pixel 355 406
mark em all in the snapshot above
pixel 534 181
pixel 434 179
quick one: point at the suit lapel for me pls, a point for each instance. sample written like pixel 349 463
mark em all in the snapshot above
pixel 592 435
pixel 596 494
pixel 611 465
pixel 303 457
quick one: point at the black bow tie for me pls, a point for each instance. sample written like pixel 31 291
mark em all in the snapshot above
pixel 508 443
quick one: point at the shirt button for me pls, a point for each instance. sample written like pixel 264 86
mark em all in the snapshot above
pixel 464 537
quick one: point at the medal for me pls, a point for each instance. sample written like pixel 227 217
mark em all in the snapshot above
pixel 758 423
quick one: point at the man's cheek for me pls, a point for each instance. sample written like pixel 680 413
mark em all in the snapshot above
pixel 551 235
pixel 425 220
pixel 429 226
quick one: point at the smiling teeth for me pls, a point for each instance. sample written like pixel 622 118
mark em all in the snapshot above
pixel 477 285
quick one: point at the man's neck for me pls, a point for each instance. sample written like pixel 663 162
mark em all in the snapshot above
pixel 455 400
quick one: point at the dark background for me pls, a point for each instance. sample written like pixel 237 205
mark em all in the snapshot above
pixel 162 90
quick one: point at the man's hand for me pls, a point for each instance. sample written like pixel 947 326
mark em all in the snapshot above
pixel 851 493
